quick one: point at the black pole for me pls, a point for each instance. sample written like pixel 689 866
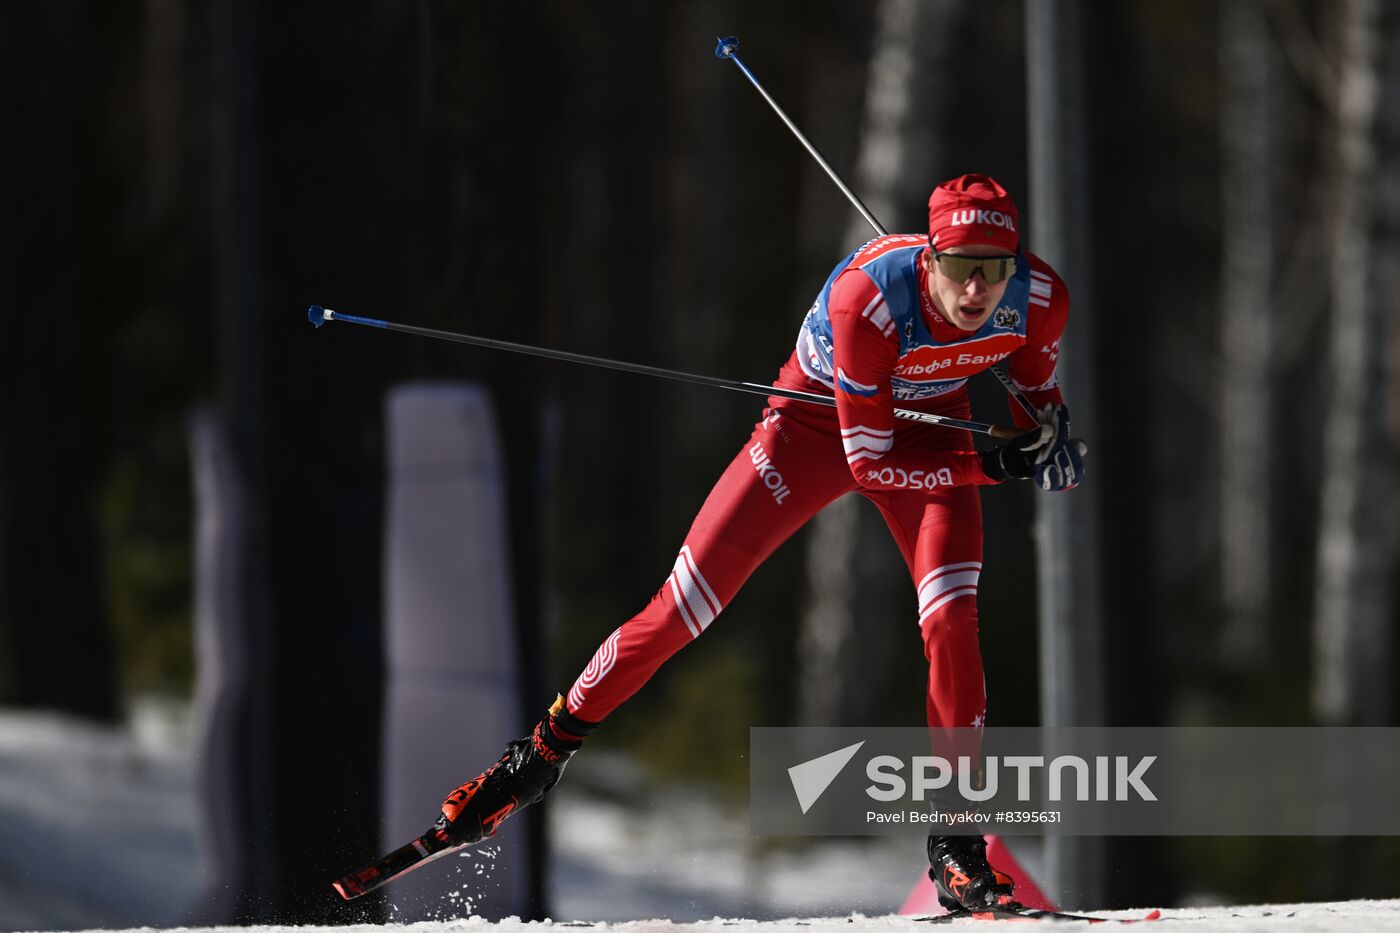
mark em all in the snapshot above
pixel 319 315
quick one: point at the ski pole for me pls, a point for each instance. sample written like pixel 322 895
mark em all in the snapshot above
pixel 729 48
pixel 318 316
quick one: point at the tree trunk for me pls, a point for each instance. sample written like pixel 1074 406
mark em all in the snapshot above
pixel 1356 536
pixel 854 571
pixel 1246 337
pixel 1070 553
pixel 251 807
pixel 321 196
pixel 55 643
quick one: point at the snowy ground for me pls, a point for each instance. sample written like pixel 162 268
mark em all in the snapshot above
pixel 1380 916
pixel 682 856
pixel 97 824
pixel 99 833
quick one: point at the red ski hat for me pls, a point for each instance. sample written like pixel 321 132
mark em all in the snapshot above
pixel 972 209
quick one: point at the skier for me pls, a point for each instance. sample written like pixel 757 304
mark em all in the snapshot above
pixel 902 319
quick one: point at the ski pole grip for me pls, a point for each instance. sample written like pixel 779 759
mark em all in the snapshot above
pixel 1005 433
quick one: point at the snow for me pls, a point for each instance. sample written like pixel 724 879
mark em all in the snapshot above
pixel 116 806
pixel 678 853
pixel 1378 916
pixel 113 812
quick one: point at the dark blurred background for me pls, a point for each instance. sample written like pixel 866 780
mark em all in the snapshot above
pixel 184 177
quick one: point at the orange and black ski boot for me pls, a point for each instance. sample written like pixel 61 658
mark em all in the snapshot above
pixel 965 881
pixel 526 772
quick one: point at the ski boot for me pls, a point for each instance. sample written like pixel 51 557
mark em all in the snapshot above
pixel 526 772
pixel 960 872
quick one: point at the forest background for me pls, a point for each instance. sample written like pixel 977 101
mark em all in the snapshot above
pixel 185 176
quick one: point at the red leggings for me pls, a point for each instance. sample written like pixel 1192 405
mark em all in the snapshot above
pixel 791 467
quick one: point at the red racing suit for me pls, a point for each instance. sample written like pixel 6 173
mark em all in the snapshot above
pixel 874 340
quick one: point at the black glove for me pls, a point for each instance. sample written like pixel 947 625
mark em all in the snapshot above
pixel 1047 453
pixel 1060 465
pixel 1014 459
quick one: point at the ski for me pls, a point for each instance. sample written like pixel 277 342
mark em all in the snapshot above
pixel 431 845
pixel 1017 912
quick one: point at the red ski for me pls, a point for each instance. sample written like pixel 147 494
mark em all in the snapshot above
pixel 431 845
